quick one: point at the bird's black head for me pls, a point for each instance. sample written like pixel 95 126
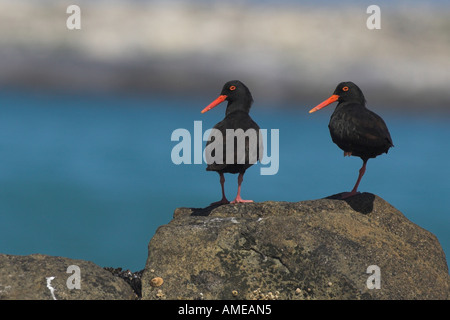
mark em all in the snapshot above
pixel 348 91
pixel 237 94
pixel 344 92
pixel 236 90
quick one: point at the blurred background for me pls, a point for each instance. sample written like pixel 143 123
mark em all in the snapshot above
pixel 86 115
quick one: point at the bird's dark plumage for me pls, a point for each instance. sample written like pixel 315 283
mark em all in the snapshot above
pixel 354 128
pixel 235 120
pixel 237 117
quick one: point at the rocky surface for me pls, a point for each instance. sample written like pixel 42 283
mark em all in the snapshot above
pixel 132 278
pixel 43 277
pixel 319 249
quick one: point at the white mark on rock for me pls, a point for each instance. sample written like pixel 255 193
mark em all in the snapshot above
pixel 5 288
pixel 232 219
pixel 52 290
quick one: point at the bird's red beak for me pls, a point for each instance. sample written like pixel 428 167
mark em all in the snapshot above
pixel 330 100
pixel 216 102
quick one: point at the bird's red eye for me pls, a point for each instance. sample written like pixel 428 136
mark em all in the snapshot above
pixel 233 88
pixel 345 89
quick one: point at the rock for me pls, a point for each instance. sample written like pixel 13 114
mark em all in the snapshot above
pixel 319 249
pixel 132 278
pixel 34 276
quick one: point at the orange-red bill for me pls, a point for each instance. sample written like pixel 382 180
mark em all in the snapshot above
pixel 330 100
pixel 216 102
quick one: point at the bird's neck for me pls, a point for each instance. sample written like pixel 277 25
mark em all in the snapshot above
pixel 361 103
pixel 241 105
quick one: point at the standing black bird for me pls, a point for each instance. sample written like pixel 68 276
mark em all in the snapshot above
pixel 244 148
pixel 355 129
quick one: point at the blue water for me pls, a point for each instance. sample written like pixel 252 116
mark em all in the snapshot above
pixel 91 177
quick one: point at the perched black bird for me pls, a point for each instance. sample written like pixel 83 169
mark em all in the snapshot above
pixel 355 129
pixel 244 147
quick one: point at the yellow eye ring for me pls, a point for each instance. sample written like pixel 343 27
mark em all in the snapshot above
pixel 232 88
pixel 345 89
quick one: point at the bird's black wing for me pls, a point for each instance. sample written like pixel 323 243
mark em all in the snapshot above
pixel 246 156
pixel 218 132
pixel 360 131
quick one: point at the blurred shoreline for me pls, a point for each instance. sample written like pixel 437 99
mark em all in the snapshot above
pixel 284 53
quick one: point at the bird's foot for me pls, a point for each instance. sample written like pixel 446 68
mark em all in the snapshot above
pixel 346 195
pixel 347 153
pixel 220 202
pixel 240 200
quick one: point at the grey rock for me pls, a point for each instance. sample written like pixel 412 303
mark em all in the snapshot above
pixel 318 249
pixel 33 277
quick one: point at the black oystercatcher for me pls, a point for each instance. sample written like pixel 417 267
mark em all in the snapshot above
pixel 236 117
pixel 355 129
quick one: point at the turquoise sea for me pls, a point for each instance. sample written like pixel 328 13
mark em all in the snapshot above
pixel 91 176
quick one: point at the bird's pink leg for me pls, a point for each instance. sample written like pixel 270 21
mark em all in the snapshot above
pixel 355 188
pixel 238 197
pixel 224 198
